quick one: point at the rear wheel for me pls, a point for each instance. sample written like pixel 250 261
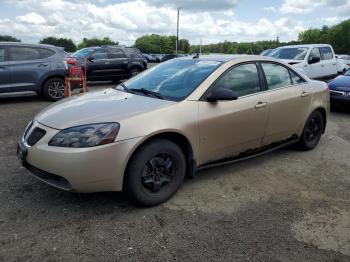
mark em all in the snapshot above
pixel 134 72
pixel 54 89
pixel 312 131
pixel 155 173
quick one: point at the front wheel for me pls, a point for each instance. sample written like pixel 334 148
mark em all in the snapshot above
pixel 155 173
pixel 312 131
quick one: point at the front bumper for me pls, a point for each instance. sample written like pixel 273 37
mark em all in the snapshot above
pixel 339 99
pixel 93 169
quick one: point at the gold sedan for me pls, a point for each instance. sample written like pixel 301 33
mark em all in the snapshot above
pixel 145 135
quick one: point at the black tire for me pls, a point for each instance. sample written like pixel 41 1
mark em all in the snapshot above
pixel 54 89
pixel 142 170
pixel 134 72
pixel 312 132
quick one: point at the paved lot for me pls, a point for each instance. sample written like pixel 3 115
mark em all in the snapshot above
pixel 283 206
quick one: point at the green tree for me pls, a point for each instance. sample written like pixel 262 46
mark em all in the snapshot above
pixel 8 38
pixel 96 42
pixel 67 44
pixel 161 44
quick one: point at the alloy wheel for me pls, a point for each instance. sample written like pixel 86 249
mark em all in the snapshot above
pixel 56 90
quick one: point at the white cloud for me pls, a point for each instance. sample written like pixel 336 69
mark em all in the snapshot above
pixel 270 9
pixel 32 18
pixel 125 21
pixel 196 5
pixel 306 6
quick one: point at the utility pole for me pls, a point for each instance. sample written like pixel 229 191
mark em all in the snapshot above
pixel 200 48
pixel 177 31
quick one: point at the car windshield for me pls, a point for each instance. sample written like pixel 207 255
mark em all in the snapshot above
pixel 173 80
pixel 347 73
pixel 85 52
pixel 293 53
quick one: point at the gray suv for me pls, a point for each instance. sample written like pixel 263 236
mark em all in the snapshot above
pixel 32 67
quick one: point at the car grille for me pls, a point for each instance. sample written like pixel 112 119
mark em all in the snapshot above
pixel 35 136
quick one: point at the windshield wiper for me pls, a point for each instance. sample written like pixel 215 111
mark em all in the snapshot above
pixel 124 88
pixel 147 92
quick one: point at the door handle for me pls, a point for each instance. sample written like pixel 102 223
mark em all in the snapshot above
pixel 3 67
pixel 322 65
pixel 42 65
pixel 304 94
pixel 261 105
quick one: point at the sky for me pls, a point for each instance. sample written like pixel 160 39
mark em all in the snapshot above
pixel 211 21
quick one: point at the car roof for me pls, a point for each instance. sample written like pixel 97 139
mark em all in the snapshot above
pixel 306 45
pixel 29 45
pixel 227 58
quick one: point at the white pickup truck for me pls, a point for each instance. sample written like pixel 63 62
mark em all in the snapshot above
pixel 316 60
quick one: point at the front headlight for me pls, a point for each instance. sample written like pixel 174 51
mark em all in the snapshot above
pixel 86 135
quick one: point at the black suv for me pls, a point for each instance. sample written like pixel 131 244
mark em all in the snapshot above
pixel 111 63
pixel 32 67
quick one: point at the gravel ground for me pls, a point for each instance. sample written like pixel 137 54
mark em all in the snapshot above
pixel 283 206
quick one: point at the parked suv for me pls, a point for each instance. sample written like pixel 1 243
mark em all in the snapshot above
pixel 316 61
pixel 111 63
pixel 32 67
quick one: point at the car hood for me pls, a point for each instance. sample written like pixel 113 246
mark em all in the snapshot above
pixel 291 61
pixel 340 83
pixel 109 105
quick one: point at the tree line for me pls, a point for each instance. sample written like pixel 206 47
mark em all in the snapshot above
pixel 338 36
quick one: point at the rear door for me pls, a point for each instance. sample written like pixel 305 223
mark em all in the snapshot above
pixel 289 98
pixel 118 60
pixel 328 62
pixel 27 67
pixel 227 128
pixel 4 71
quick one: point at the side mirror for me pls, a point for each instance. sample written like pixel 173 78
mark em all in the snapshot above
pixel 222 94
pixel 91 59
pixel 314 60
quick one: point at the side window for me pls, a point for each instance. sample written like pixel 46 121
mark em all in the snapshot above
pixel 45 53
pixel 116 53
pixel 277 76
pixel 24 53
pixel 295 78
pixel 243 79
pixel 315 52
pixel 2 54
pixel 100 54
pixel 326 53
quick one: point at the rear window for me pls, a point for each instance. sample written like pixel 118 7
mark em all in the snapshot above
pixel 326 53
pixel 45 53
pixel 116 53
pixel 2 54
pixel 277 76
pixel 24 53
pixel 133 53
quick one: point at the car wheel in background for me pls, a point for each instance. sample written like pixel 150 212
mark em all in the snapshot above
pixel 155 173
pixel 134 72
pixel 54 89
pixel 312 132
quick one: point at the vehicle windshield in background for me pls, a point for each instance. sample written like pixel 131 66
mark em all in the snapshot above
pixel 295 53
pixel 173 80
pixel 347 73
pixel 83 52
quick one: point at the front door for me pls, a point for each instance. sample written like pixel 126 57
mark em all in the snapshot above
pixel 315 70
pixel 4 71
pixel 227 128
